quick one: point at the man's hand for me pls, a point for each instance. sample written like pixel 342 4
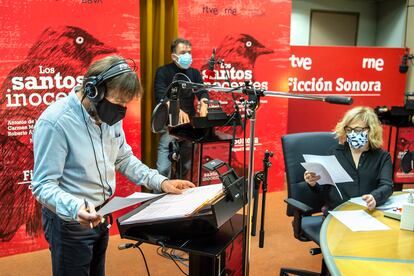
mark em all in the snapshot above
pixel 183 119
pixel 203 108
pixel 370 200
pixel 176 186
pixel 88 217
pixel 311 178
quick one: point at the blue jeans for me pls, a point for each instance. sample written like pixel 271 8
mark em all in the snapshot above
pixel 163 161
pixel 75 249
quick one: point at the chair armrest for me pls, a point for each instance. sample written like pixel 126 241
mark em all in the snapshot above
pixel 299 206
pixel 300 209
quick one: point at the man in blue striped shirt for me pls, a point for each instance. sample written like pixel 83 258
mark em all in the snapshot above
pixel 79 143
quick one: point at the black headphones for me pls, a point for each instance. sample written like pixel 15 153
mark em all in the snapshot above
pixel 95 88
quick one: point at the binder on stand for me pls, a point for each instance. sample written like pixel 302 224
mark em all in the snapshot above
pixel 205 234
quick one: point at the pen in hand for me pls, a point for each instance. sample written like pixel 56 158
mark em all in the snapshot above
pixel 87 210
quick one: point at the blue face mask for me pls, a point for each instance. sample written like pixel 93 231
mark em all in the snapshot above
pixel 185 60
pixel 357 139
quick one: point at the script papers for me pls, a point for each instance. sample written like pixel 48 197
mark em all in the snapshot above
pixel 177 206
pixel 118 203
pixel 395 201
pixel 328 168
pixel 359 220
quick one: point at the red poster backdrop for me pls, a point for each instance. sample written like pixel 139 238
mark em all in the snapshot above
pixel 46 46
pixel 369 75
pixel 252 37
pixel 403 156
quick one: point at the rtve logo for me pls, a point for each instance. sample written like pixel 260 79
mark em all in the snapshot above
pixel 91 1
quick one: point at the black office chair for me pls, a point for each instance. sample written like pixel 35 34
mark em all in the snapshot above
pixel 302 202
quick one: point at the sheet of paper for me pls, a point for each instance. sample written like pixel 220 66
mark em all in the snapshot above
pixel 359 220
pixel 395 201
pixel 146 196
pixel 320 170
pixel 118 203
pixel 332 165
pixel 174 206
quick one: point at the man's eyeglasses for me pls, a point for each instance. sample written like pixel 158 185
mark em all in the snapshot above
pixel 357 130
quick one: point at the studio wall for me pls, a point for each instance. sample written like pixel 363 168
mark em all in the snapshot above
pixel 252 39
pixel 46 47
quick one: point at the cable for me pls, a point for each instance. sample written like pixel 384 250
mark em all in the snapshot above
pixel 135 245
pixel 234 115
pixel 93 148
pixel 181 74
pixel 169 255
pixel 244 188
pixel 135 65
pixel 174 81
pixel 170 85
pixel 176 264
pixel 103 156
pixel 145 260
pixel 180 259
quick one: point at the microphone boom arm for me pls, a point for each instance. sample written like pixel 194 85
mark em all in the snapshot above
pixel 278 94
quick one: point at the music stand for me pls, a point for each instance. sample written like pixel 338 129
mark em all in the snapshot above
pixel 204 235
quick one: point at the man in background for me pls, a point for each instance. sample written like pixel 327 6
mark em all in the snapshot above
pixel 179 69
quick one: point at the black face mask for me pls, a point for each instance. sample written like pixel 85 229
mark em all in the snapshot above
pixel 110 113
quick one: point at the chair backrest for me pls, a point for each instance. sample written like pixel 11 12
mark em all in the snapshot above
pixel 294 146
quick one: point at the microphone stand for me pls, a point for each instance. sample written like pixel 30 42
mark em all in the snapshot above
pixel 266 165
pixel 258 176
pixel 261 176
pixel 174 155
pixel 251 106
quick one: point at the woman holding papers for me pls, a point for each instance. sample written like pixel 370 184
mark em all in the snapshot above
pixel 360 154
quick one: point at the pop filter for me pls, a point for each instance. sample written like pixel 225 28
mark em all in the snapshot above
pixel 159 117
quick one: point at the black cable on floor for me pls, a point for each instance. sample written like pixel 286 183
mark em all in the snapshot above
pixel 166 252
pixel 145 260
pixel 163 254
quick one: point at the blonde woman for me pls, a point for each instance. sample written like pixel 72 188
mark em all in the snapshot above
pixel 359 152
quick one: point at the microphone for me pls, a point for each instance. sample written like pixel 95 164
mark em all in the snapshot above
pixel 404 64
pixel 174 109
pixel 211 62
pixel 338 100
pixel 129 245
pixel 125 246
pixel 189 85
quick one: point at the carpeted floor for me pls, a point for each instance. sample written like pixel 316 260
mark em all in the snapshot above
pixel 281 249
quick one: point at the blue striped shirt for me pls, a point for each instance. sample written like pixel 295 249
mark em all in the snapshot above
pixel 65 168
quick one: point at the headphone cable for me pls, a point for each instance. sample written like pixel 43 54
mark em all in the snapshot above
pixel 93 148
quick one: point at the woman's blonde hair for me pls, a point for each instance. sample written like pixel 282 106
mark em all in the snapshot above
pixel 368 116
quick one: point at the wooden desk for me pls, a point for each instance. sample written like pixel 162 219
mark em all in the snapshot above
pixel 367 253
